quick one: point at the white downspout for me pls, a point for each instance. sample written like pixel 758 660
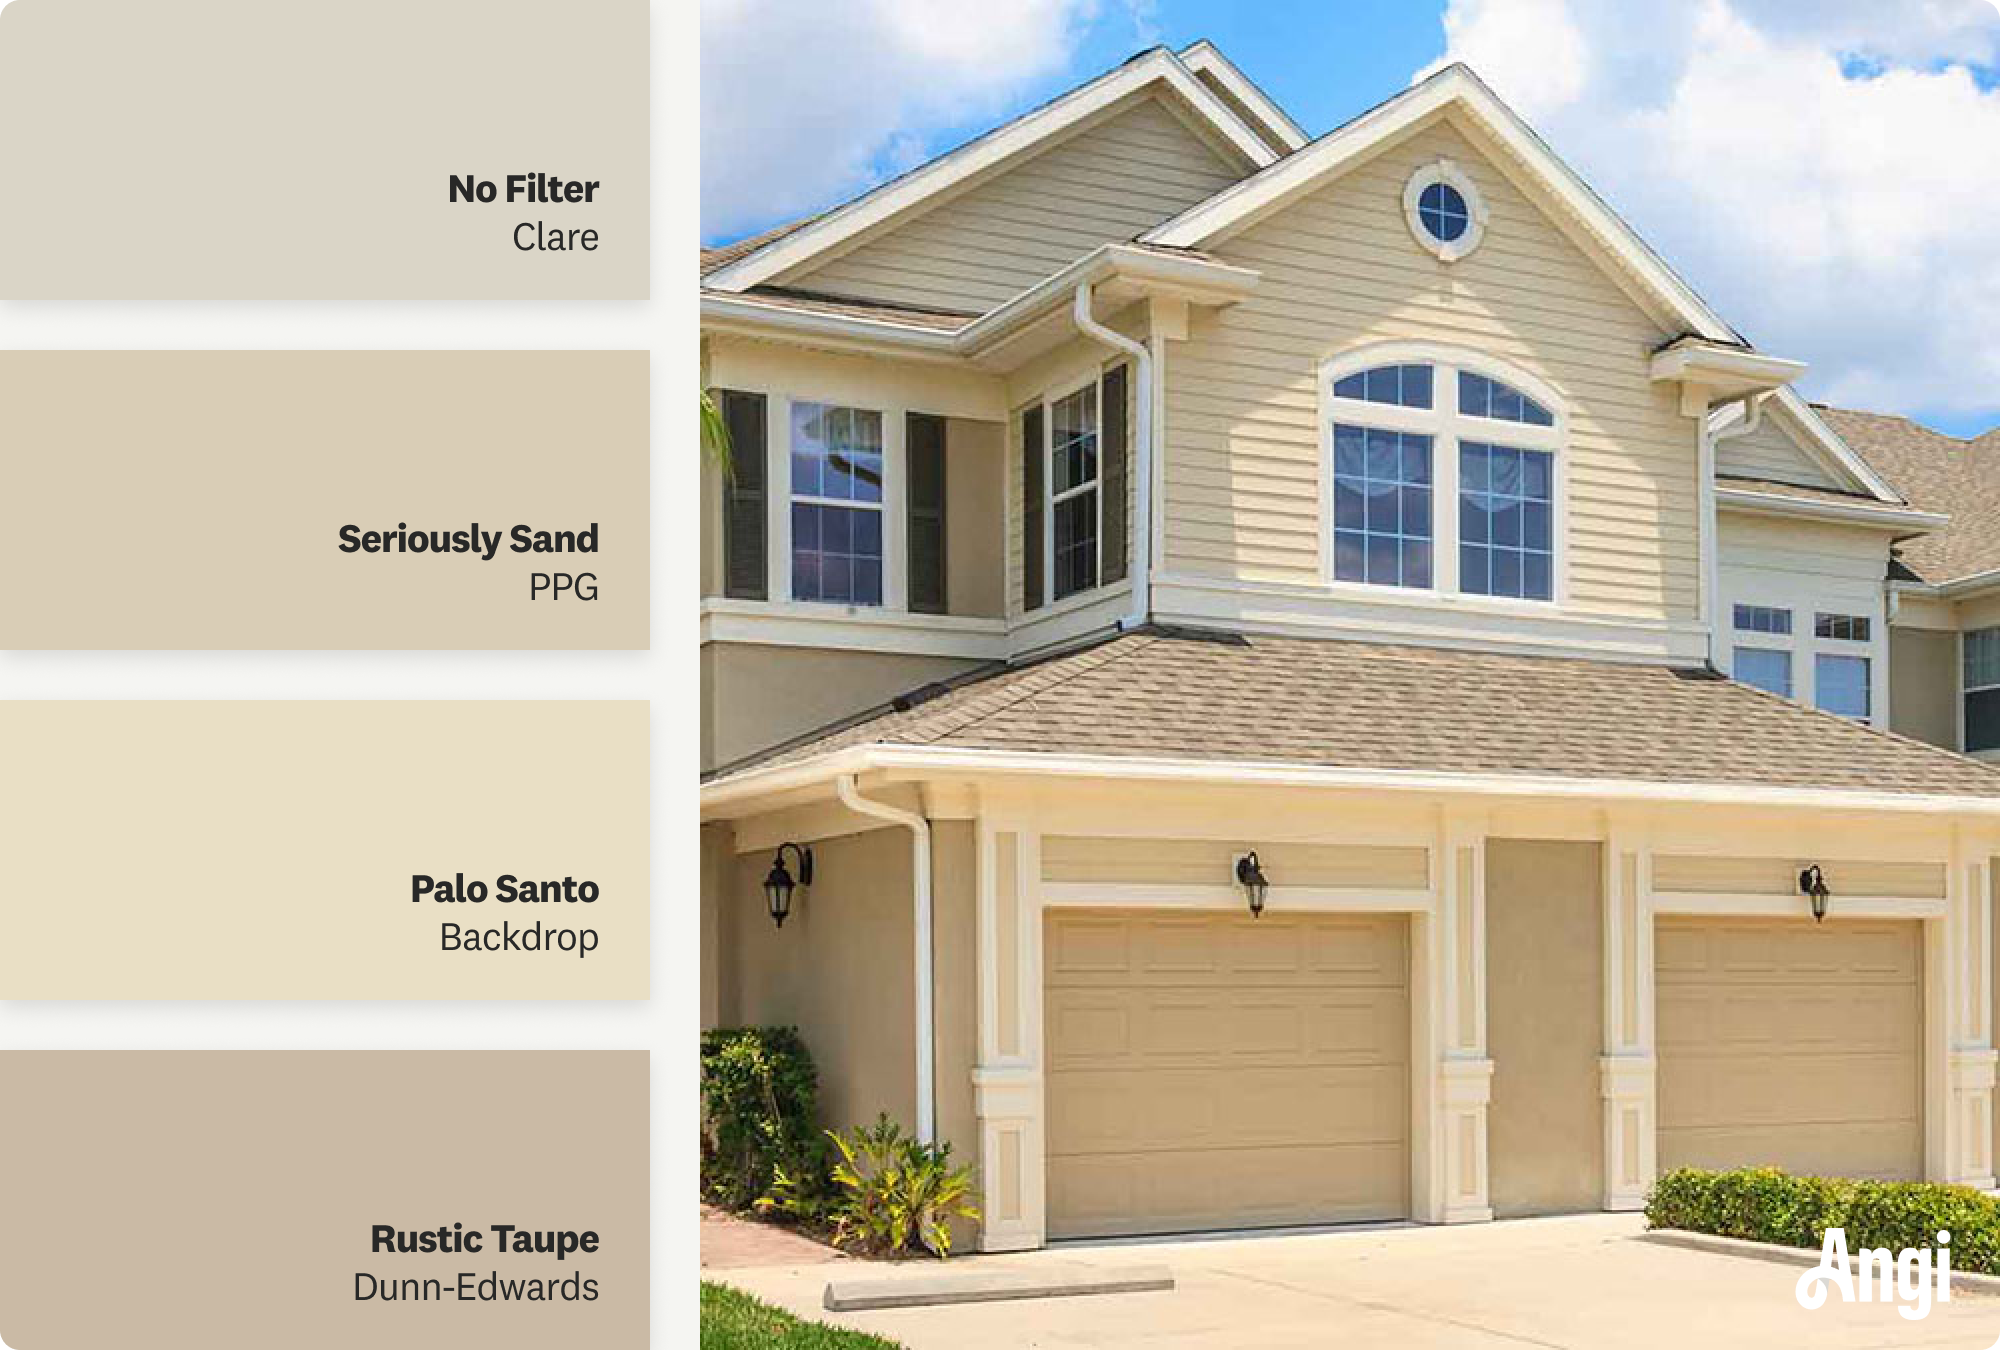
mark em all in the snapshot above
pixel 920 865
pixel 1711 581
pixel 1139 531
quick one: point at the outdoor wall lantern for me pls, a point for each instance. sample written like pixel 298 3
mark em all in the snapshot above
pixel 1250 877
pixel 1812 885
pixel 778 881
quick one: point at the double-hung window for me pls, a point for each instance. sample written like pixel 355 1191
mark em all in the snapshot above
pixel 1842 681
pixel 836 504
pixel 1443 478
pixel 1982 690
pixel 1075 496
pixel 1763 652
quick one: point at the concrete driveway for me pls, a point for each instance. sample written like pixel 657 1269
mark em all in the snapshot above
pixel 1582 1282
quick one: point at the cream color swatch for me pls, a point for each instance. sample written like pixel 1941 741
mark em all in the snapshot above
pixel 267 850
pixel 227 1200
pixel 245 150
pixel 155 500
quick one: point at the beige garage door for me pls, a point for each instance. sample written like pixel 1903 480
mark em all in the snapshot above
pixel 1211 1071
pixel 1793 1045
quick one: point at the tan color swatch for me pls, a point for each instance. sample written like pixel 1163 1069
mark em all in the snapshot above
pixel 227 1200
pixel 244 150
pixel 266 850
pixel 201 500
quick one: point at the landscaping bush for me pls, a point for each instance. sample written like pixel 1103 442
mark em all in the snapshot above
pixel 1765 1205
pixel 896 1195
pixel 759 1097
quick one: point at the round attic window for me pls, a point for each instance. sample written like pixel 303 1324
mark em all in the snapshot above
pixel 1444 209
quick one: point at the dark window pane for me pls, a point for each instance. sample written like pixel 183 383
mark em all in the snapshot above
pixel 805 528
pixel 1416 458
pixel 1475 518
pixel 1416 562
pixel 1350 457
pixel 1348 513
pixel 1352 386
pixel 836 530
pixel 867 533
pixel 1506 572
pixel 1384 517
pixel 1536 471
pixel 1417 512
pixel 1506 522
pixel 1416 386
pixel 1473 569
pixel 836 577
pixel 868 581
pixel 1535 525
pixel 1982 720
pixel 1384 456
pixel 1474 472
pixel 1473 392
pixel 1537 579
pixel 1384 561
pixel 1349 556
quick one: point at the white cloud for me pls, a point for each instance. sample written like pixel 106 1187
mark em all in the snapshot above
pixel 805 102
pixel 1842 217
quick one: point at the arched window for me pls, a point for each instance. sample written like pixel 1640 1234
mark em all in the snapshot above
pixel 1443 473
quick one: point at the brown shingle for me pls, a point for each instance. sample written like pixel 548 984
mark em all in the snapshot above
pixel 1935 472
pixel 1174 694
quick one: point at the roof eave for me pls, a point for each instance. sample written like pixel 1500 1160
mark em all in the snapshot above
pixel 1724 370
pixel 741 794
pixel 1906 520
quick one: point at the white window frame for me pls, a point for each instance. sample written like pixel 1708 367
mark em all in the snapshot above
pixel 1447 172
pixel 778 501
pixel 1966 691
pixel 1093 381
pixel 1804 646
pixel 1447 428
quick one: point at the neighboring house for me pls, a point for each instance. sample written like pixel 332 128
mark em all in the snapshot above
pixel 1140 512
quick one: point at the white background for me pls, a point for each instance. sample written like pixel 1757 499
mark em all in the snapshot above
pixel 666 676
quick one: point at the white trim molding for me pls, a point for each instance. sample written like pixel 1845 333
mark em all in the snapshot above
pixel 1203 58
pixel 1445 173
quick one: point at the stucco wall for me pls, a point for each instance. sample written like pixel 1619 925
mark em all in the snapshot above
pixel 1545 1014
pixel 1923 685
pixel 754 696
pixel 718 880
pixel 839 970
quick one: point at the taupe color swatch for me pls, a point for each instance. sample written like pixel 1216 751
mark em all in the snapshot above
pixel 265 850
pixel 243 150
pixel 197 499
pixel 225 1200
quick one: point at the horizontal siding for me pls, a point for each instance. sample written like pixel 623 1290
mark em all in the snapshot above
pixel 1681 873
pixel 1770 453
pixel 1110 182
pixel 1210 862
pixel 1340 270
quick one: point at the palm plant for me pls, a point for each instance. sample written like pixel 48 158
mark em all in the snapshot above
pixel 715 435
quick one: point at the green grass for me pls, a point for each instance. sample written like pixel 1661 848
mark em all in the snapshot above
pixel 732 1320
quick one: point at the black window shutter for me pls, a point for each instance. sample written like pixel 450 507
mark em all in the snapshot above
pixel 747 559
pixel 924 449
pixel 1117 455
pixel 1033 455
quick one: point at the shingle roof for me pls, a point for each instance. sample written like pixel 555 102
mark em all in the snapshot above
pixel 1176 694
pixel 714 259
pixel 1773 488
pixel 944 320
pixel 1935 472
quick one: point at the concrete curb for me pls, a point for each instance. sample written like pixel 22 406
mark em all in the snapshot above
pixel 1788 1256
pixel 991 1286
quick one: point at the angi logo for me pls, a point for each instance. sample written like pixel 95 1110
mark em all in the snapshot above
pixel 1875 1276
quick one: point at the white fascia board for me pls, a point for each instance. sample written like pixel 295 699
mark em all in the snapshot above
pixel 1200 280
pixel 763 318
pixel 1962 587
pixel 739 794
pixel 1455 84
pixel 1899 519
pixel 1204 57
pixel 1822 442
pixel 983 153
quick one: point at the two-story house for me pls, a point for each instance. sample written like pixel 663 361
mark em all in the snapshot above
pixel 1217 697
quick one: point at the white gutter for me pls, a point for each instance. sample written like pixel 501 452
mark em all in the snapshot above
pixel 1879 516
pixel 920 867
pixel 752 785
pixel 1139 531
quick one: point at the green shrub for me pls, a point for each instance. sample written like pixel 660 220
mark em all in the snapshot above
pixel 896 1195
pixel 759 1098
pixel 1762 1204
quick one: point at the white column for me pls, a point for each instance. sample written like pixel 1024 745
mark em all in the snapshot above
pixel 1966 1145
pixel 1456 1077
pixel 1628 1071
pixel 1007 1088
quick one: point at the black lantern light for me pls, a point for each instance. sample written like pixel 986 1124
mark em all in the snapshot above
pixel 1250 877
pixel 1812 885
pixel 778 881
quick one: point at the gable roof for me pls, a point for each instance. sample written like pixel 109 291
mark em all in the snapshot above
pixel 1176 695
pixel 781 251
pixel 1823 444
pixel 1939 473
pixel 1270 121
pixel 1455 86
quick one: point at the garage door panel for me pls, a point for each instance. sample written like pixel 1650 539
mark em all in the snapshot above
pixel 1265 1083
pixel 1190 1191
pixel 1791 1045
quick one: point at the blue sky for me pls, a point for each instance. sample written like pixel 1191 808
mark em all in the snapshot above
pixel 1819 172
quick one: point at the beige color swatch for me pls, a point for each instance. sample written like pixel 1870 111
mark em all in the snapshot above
pixel 154 500
pixel 266 850
pixel 244 150
pixel 227 1200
